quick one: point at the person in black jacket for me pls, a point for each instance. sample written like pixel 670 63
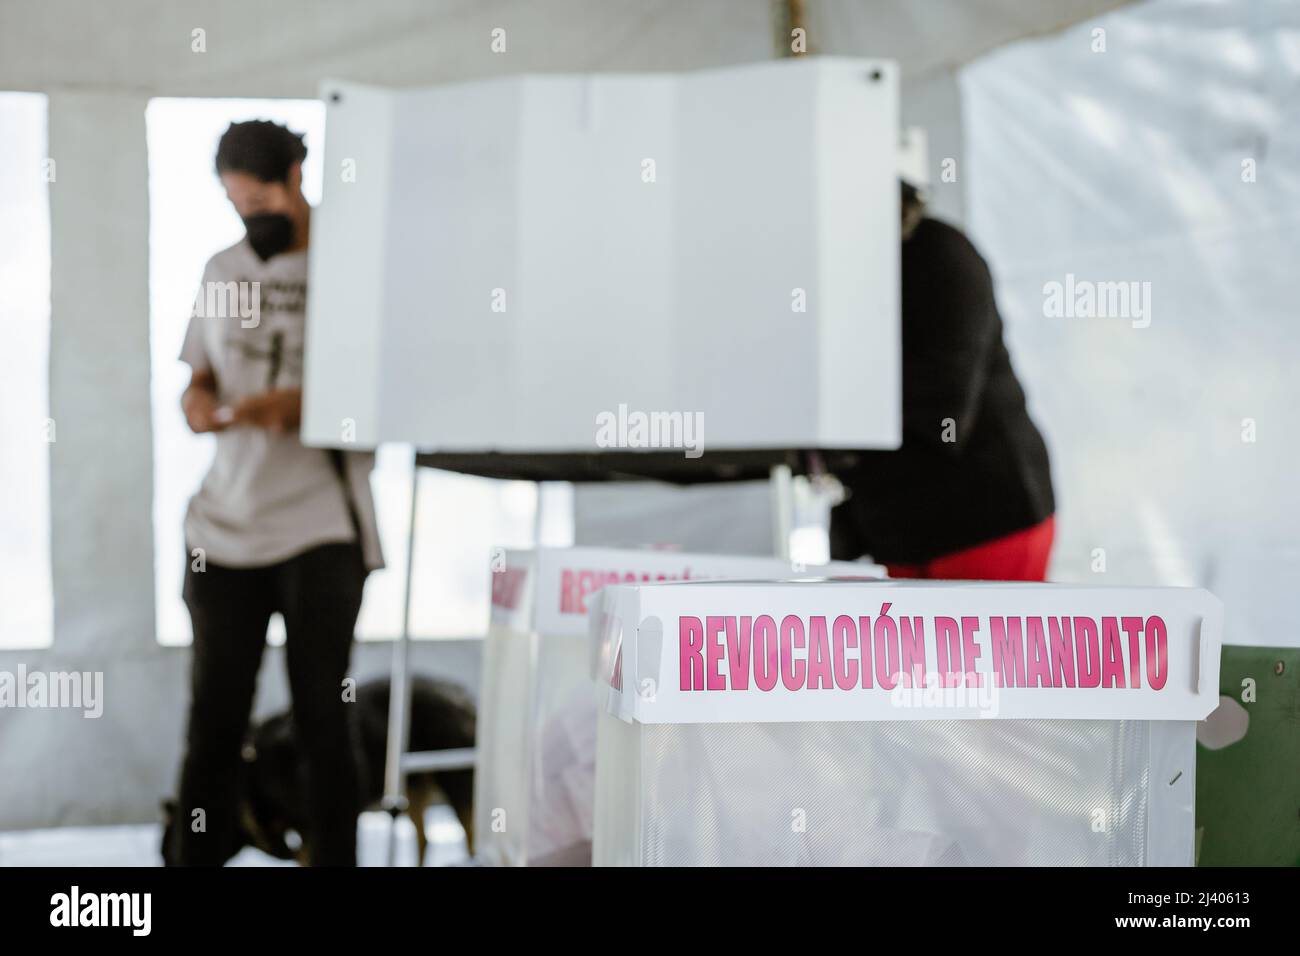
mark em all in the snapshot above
pixel 968 496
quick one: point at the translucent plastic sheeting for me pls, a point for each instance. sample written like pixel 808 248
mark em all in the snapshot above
pixel 535 783
pixel 1163 151
pixel 932 793
pixel 501 820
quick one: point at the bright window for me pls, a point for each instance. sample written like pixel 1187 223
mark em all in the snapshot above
pixel 26 597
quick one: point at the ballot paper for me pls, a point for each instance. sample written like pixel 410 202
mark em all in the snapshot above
pixel 535 775
pixel 901 723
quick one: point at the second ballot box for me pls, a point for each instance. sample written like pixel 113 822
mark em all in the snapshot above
pixel 535 774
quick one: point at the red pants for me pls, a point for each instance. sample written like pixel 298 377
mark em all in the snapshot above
pixel 1021 556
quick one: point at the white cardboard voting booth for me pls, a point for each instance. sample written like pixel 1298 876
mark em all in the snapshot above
pixel 535 774
pixel 902 723
pixel 494 264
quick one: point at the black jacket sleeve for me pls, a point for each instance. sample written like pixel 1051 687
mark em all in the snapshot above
pixel 950 324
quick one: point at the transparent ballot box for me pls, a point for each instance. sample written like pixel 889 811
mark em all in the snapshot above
pixel 535 775
pixel 900 723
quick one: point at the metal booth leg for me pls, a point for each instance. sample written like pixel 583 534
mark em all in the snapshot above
pixel 399 699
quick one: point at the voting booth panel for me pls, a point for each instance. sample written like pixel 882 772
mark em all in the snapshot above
pixel 983 724
pixel 512 258
pixel 535 774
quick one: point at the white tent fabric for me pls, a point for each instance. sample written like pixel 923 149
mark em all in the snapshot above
pixel 1171 160
pixel 252 48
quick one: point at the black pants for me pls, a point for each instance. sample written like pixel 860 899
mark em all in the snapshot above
pixel 319 594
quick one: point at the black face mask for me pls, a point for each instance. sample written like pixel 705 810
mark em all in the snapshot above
pixel 269 233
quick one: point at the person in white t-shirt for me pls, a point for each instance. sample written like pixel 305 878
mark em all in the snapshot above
pixel 275 526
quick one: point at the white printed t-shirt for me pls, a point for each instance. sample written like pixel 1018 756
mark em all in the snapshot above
pixel 267 496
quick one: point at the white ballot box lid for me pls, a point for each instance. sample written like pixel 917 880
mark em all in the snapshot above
pixel 552 590
pixel 567 264
pixel 771 651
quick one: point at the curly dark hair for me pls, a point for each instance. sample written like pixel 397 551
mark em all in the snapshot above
pixel 260 148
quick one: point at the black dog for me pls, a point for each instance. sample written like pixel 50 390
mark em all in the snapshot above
pixel 272 810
